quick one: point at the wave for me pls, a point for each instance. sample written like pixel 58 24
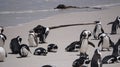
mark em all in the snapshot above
pixel 27 11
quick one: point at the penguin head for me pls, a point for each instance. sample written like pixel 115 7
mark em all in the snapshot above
pixel 40 51
pixel 19 39
pixel 97 22
pixel 102 35
pixel 118 18
pixel 86 34
pixel 24 50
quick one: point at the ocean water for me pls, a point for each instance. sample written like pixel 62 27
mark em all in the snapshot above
pixel 16 12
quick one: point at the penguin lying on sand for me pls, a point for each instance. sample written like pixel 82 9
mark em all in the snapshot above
pixel 40 51
pixel 52 48
pixel 105 41
pixel 74 46
pixel 81 62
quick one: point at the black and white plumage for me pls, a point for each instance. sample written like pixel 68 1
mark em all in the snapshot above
pixel 52 48
pixel 24 50
pixel 40 51
pixel 3 54
pixel 84 42
pixel 105 41
pixel 32 39
pixel 42 33
pixel 109 59
pixel 115 25
pixel 15 45
pixel 2 39
pixel 74 46
pixel 96 59
pixel 98 29
pixel 81 62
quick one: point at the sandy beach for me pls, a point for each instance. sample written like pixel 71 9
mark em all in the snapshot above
pixel 62 37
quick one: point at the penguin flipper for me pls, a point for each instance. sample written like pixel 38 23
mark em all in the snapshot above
pixel 99 43
pixel 111 43
pixel 110 23
pixel 90 43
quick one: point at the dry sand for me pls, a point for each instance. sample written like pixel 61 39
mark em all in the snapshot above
pixel 62 37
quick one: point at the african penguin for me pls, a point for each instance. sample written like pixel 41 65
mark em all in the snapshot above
pixel 3 54
pixel 52 48
pixel 98 29
pixel 81 62
pixel 40 51
pixel 96 59
pixel 24 50
pixel 84 43
pixel 32 39
pixel 109 59
pixel 115 25
pixel 105 41
pixel 15 45
pixel 74 46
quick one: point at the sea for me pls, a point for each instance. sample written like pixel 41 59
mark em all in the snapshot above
pixel 18 12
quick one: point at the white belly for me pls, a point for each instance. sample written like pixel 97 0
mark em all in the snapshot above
pixel 31 41
pixel 106 42
pixel 2 54
pixel 84 46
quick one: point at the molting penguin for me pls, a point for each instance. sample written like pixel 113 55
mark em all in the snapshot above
pixel 96 59
pixel 84 43
pixel 40 51
pixel 52 48
pixel 81 62
pixel 24 50
pixel 2 54
pixel 32 39
pixel 98 29
pixel 115 25
pixel 74 46
pixel 105 41
pixel 2 39
pixel 15 45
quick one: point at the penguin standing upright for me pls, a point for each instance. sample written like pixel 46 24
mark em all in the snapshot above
pixel 115 25
pixel 105 41
pixel 32 39
pixel 15 45
pixel 3 54
pixel 84 43
pixel 98 29
pixel 24 50
pixel 96 59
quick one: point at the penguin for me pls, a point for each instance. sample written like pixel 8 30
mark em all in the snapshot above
pixel 98 29
pixel 81 62
pixel 42 33
pixel 96 59
pixel 105 41
pixel 24 50
pixel 116 49
pixel 52 48
pixel 85 32
pixel 84 44
pixel 32 39
pixel 48 66
pixel 3 54
pixel 15 45
pixel 2 39
pixel 74 46
pixel 115 25
pixel 109 59
pixel 40 51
